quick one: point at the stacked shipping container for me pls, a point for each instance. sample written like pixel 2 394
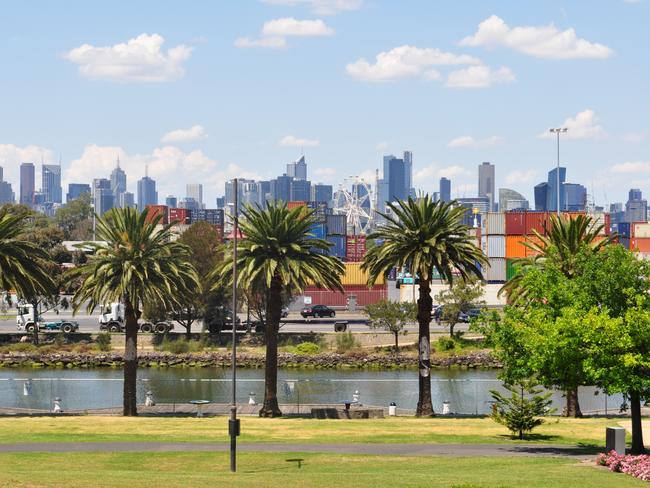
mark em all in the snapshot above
pixel 493 244
pixel 354 284
pixel 355 248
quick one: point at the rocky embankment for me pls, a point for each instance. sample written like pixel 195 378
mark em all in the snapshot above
pixel 218 359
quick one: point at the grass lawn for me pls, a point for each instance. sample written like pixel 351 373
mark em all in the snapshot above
pixel 270 470
pixel 589 432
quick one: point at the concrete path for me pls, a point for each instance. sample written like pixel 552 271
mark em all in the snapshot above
pixel 458 450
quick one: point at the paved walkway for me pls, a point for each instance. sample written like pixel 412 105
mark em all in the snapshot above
pixel 368 449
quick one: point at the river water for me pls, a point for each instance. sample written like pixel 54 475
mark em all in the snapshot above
pixel 467 391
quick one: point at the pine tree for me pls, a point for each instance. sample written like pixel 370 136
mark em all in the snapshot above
pixel 522 411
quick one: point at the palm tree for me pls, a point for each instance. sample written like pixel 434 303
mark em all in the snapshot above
pixel 277 257
pixel 23 265
pixel 561 244
pixel 137 264
pixel 425 236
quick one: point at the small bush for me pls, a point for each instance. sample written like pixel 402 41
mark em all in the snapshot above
pixel 346 342
pixel 103 341
pixel 446 343
pixel 21 347
pixel 306 348
pixel 179 346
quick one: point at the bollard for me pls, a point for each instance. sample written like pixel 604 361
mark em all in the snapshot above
pixel 57 406
pixel 355 396
pixel 251 398
pixel 27 388
pixel 148 400
pixel 445 408
pixel 615 439
pixel 392 409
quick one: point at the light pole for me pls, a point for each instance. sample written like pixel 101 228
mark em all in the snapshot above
pixel 557 131
pixel 233 424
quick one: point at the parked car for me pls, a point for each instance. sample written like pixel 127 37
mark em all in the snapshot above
pixel 317 311
pixel 463 317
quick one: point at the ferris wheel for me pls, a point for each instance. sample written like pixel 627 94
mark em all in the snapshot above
pixel 354 199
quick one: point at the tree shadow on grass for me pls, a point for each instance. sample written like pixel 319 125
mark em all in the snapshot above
pixel 531 438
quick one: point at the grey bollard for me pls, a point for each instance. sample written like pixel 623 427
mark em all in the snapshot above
pixel 615 439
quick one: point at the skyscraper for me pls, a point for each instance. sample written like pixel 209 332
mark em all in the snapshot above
pixel 636 208
pixel 575 197
pixel 75 190
pixel 445 190
pixel 27 181
pixel 6 192
pixel 281 188
pixel 511 200
pixel 408 173
pixel 147 194
pixel 321 193
pixel 486 182
pixel 551 197
pixel 298 169
pixel 394 179
pixel 195 191
pixel 118 182
pixel 171 201
pixel 51 183
pixel 102 194
pixel 300 190
pixel 127 200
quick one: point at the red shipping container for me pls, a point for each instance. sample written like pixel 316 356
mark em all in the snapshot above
pixel 536 221
pixel 292 205
pixel 365 296
pixel 179 215
pixel 355 248
pixel 641 244
pixel 155 210
pixel 515 223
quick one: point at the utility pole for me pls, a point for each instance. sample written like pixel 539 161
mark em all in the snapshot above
pixel 233 424
pixel 557 131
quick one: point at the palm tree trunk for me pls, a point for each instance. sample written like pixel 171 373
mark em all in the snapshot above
pixel 637 429
pixel 425 407
pixel 130 360
pixel 270 407
pixel 572 408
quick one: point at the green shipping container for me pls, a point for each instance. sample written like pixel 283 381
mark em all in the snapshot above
pixel 510 268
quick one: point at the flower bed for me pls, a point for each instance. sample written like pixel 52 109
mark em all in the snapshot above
pixel 637 466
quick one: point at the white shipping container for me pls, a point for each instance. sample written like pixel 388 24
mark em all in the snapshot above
pixel 642 256
pixel 494 223
pixel 495 270
pixel 494 246
pixel 642 230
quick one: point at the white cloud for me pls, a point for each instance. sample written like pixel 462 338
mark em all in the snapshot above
pixel 406 62
pixel 432 173
pixel 382 146
pixel 518 177
pixel 583 126
pixel 479 77
pixel 275 32
pixel 325 174
pixel 268 42
pixel 321 7
pixel 634 167
pixel 469 141
pixel 139 60
pixel 293 141
pixel 11 156
pixel 194 133
pixel 542 41
pixel 633 137
pixel 289 26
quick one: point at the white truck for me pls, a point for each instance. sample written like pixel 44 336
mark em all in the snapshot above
pixel 26 320
pixel 112 320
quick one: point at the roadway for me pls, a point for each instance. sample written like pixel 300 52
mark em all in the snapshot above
pixel 294 323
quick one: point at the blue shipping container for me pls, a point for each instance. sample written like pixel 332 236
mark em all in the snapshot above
pixel 624 229
pixel 317 231
pixel 337 225
pixel 338 246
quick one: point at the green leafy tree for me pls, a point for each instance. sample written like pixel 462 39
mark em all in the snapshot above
pixel 426 237
pixel 137 264
pixel 391 316
pixel 75 218
pixel 278 255
pixel 523 410
pixel 461 297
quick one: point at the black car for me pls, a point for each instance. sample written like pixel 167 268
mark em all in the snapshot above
pixel 463 317
pixel 317 311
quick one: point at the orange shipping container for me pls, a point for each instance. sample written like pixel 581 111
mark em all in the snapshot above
pixel 292 205
pixel 641 244
pixel 515 247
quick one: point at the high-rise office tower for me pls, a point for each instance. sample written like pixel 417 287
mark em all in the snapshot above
pixel 511 200
pixel 264 193
pixel 27 183
pixel 394 179
pixel 195 191
pixel 118 182
pixel 321 193
pixel 6 192
pixel 300 190
pixel 281 188
pixel 171 201
pixel 408 173
pixel 575 197
pixel 445 190
pixel 147 194
pixel 298 169
pixel 75 190
pixel 636 208
pixel 127 200
pixel 551 197
pixel 51 183
pixel 486 182
pixel 102 194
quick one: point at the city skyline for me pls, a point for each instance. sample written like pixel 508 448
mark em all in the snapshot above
pixel 471 91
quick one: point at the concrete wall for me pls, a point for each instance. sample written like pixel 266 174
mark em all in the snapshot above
pixel 490 293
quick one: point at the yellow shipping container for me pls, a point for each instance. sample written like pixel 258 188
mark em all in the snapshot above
pixel 354 276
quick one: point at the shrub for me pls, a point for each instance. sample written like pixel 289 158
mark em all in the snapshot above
pixel 346 342
pixel 521 412
pixel 21 347
pixel 637 466
pixel 179 346
pixel 103 341
pixel 446 343
pixel 306 348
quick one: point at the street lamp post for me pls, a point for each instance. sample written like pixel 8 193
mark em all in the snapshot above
pixel 557 131
pixel 233 424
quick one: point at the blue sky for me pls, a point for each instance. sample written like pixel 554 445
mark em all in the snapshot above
pixel 204 91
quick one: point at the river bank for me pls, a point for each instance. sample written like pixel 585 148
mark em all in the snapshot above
pixel 330 360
